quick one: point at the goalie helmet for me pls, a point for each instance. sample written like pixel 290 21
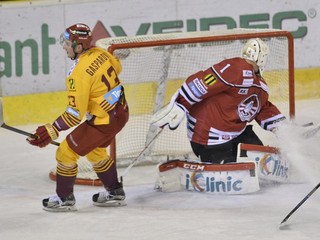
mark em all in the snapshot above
pixel 78 34
pixel 256 51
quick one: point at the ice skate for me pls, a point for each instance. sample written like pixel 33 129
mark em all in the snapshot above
pixel 57 204
pixel 111 198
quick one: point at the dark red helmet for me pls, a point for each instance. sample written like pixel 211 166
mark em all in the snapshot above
pixel 78 33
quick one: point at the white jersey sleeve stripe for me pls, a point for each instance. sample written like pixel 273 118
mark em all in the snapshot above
pixel 188 94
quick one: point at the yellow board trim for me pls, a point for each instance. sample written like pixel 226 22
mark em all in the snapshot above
pixel 35 108
pixel 46 107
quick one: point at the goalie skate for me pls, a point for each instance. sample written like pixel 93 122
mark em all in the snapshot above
pixel 56 204
pixel 112 198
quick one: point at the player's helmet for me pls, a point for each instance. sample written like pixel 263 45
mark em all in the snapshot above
pixel 78 34
pixel 257 51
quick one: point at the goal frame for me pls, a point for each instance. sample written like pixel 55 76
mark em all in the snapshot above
pixel 241 36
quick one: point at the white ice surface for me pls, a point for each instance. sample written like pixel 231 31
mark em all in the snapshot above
pixel 154 215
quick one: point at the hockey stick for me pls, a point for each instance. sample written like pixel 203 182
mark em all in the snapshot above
pixel 140 154
pixel 13 129
pixel 300 203
pixel 312 131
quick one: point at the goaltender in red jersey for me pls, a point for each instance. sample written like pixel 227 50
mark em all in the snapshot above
pixel 220 101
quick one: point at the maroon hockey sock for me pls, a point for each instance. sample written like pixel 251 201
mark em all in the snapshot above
pixel 65 185
pixel 109 178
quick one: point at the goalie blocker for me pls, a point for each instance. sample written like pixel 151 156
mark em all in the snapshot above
pixel 254 164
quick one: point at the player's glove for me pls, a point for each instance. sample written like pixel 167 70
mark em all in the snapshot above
pixel 44 135
pixel 171 115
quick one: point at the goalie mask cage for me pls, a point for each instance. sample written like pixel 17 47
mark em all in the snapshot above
pixel 154 67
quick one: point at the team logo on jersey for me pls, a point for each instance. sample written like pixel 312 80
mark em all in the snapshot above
pixel 247 73
pixel 197 88
pixel 248 108
pixel 113 95
pixel 243 91
pixel 210 79
pixel 73 112
pixel 72 84
pixel 111 98
pixel 73 66
pixel 247 82
pixel 201 87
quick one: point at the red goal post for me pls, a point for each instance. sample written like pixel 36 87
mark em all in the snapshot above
pixel 154 67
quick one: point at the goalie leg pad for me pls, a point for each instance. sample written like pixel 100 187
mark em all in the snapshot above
pixel 271 166
pixel 169 181
pixel 194 176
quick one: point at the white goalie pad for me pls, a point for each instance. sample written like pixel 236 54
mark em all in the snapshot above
pixel 194 176
pixel 270 166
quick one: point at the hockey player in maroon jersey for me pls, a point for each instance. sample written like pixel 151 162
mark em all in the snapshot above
pixel 94 90
pixel 220 101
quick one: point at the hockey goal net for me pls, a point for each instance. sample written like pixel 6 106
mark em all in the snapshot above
pixel 154 67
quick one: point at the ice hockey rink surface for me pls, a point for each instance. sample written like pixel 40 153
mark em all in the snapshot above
pixel 152 215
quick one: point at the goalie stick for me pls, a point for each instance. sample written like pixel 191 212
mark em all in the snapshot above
pixel 125 172
pixel 300 203
pixel 13 129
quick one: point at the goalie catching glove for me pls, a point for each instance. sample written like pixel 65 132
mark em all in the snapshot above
pixel 171 115
pixel 44 135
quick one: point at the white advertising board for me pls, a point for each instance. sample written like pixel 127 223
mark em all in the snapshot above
pixel 32 60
